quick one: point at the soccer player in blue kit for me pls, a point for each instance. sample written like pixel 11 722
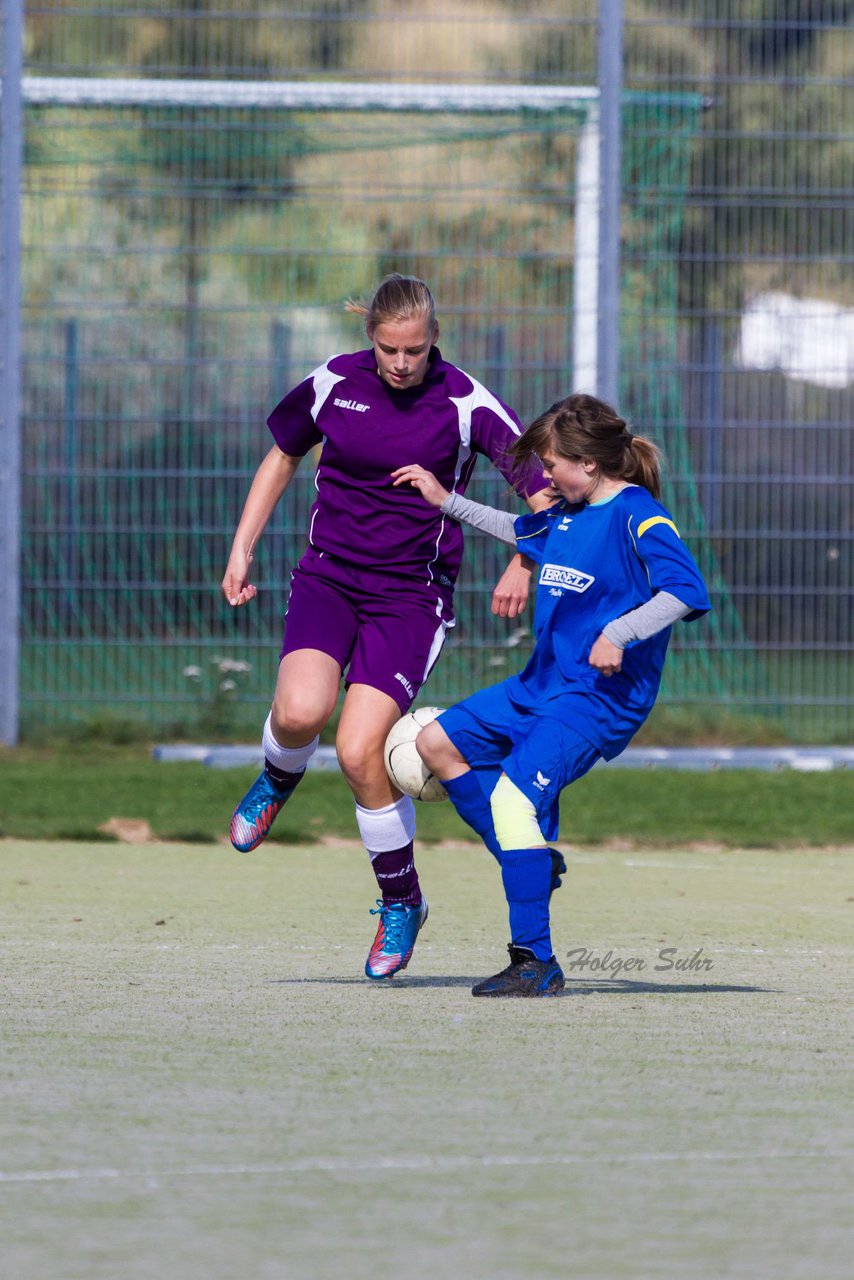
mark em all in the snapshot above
pixel 372 597
pixel 612 577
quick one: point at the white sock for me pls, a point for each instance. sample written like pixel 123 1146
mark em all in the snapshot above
pixel 288 759
pixel 392 827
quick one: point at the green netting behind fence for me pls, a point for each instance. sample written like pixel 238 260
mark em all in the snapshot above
pixel 184 267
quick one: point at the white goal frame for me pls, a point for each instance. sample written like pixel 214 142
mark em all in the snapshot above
pixel 340 95
pixel 596 213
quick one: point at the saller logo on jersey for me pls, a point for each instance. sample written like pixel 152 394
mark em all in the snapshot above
pixel 352 404
pixel 558 575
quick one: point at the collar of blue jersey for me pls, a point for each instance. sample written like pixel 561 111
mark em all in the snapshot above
pixel 564 508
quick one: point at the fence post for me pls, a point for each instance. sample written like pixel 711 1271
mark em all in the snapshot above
pixel 11 132
pixel 713 419
pixel 610 74
pixel 72 531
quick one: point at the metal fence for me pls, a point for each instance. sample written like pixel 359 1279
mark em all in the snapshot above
pixel 185 257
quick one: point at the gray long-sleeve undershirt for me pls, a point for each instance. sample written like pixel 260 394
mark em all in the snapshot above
pixel 498 524
pixel 638 624
pixel 647 620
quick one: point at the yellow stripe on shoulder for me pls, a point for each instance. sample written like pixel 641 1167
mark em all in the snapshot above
pixel 535 533
pixel 647 524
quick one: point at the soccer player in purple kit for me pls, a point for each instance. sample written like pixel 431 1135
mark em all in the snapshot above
pixel 372 597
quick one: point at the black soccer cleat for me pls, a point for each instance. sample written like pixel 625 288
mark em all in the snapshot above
pixel 524 976
pixel 558 869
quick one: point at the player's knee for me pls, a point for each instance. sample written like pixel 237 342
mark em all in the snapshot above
pixel 360 758
pixel 296 714
pixel 349 760
pixel 514 817
pixel 436 749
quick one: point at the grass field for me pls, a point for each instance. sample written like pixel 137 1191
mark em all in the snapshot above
pixel 197 1080
pixel 81 793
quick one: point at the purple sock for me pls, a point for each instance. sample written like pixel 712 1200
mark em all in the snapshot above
pixel 396 876
pixel 281 777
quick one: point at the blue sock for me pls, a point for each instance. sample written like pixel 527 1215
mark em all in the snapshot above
pixel 527 875
pixel 467 796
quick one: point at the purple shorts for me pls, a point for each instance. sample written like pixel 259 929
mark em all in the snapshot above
pixel 384 632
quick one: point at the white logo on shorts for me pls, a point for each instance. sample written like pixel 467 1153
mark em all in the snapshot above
pixel 407 686
pixel 541 781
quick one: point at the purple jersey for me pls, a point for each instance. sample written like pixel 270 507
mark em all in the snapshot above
pixel 367 430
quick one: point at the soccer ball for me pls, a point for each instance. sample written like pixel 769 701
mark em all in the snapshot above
pixel 404 765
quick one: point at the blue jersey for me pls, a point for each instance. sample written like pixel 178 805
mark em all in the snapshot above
pixel 595 564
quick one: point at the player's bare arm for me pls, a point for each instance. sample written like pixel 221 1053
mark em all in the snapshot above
pixel 271 480
pixel 513 588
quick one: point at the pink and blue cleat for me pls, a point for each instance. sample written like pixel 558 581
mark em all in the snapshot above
pixel 254 816
pixel 398 928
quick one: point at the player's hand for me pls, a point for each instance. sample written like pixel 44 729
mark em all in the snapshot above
pixel 236 586
pixel 424 481
pixel 511 594
pixel 605 657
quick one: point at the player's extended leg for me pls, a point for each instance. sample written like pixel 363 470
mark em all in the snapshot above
pixel 507 823
pixel 526 870
pixel 543 756
pixel 548 756
pixel 463 785
pixel 469 791
pixel 386 824
pixel 306 694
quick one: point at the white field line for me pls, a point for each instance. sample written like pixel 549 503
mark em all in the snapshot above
pixel 412 1164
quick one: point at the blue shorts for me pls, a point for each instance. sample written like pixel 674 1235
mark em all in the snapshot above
pixel 383 632
pixel 541 755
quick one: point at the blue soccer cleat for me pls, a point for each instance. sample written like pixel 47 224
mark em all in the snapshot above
pixel 525 976
pixel 398 928
pixel 254 816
